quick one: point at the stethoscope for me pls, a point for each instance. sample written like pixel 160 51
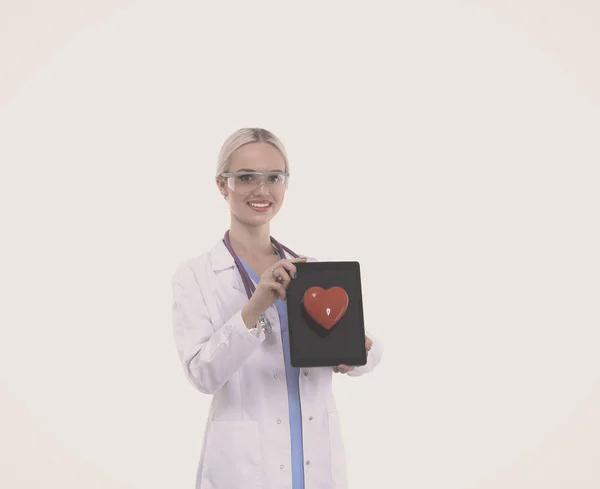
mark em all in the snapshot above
pixel 248 284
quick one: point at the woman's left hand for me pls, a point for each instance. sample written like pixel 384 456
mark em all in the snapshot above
pixel 343 369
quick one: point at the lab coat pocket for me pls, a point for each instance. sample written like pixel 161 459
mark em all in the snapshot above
pixel 232 456
pixel 338 454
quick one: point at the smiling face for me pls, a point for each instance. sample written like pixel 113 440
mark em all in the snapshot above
pixel 260 204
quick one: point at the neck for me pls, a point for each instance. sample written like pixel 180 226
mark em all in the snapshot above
pixel 250 240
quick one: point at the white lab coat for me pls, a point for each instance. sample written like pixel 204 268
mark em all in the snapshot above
pixel 247 436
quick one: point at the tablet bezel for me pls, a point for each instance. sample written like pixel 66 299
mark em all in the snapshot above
pixel 294 296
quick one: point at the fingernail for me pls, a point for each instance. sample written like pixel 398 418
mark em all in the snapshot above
pixel 295 275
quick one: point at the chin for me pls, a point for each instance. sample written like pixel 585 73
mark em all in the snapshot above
pixel 256 219
pixel 260 219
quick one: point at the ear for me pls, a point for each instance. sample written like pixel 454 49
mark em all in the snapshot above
pixel 222 186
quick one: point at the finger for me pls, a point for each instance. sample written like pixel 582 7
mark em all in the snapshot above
pixel 336 370
pixel 281 275
pixel 279 290
pixel 287 265
pixel 275 287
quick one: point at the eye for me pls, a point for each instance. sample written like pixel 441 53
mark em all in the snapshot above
pixel 276 178
pixel 245 178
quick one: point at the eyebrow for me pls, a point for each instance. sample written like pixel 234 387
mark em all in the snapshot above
pixel 249 169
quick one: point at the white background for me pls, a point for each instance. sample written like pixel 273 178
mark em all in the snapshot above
pixel 451 147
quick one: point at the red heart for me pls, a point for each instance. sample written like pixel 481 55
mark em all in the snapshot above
pixel 326 307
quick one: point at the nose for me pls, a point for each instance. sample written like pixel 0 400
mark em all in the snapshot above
pixel 261 189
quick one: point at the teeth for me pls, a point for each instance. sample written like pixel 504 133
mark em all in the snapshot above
pixel 259 205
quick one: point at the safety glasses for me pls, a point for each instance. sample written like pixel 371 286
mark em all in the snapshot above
pixel 247 181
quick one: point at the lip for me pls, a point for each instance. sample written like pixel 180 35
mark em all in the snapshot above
pixel 257 209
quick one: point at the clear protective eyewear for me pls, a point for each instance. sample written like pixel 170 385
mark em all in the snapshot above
pixel 247 181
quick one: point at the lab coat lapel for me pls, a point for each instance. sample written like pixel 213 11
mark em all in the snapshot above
pixel 221 259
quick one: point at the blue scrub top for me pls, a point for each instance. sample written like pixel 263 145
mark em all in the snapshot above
pixel 292 376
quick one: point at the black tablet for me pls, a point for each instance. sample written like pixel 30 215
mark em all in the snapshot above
pixel 325 315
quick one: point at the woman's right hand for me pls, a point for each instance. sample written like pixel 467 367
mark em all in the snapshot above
pixel 272 285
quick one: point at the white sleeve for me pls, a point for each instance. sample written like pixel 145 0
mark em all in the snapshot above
pixel 209 357
pixel 373 358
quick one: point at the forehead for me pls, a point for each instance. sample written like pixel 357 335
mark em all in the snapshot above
pixel 257 156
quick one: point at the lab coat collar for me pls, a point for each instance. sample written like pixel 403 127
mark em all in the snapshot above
pixel 221 259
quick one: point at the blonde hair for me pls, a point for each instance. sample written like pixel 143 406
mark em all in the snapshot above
pixel 244 136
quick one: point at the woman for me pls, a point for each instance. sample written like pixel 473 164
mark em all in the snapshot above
pixel 270 425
